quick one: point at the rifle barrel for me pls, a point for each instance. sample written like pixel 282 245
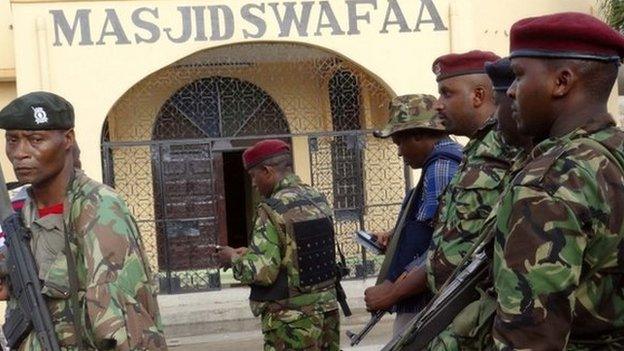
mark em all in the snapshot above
pixel 5 202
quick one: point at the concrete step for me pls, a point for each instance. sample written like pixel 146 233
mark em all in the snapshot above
pixel 227 310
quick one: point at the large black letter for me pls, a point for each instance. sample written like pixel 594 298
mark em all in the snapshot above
pixel 435 16
pixel 301 20
pixel 153 29
pixel 354 17
pixel 116 29
pixel 80 21
pixel 215 22
pixel 393 7
pixel 186 26
pixel 253 19
pixel 332 22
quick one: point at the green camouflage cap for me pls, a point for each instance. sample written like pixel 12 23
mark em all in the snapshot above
pixel 39 110
pixel 411 112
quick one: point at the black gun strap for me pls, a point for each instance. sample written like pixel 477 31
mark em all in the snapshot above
pixel 72 272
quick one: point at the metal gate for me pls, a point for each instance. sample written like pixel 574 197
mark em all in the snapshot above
pixel 169 140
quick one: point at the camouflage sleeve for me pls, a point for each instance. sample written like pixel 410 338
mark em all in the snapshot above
pixel 121 307
pixel 538 256
pixel 465 206
pixel 261 264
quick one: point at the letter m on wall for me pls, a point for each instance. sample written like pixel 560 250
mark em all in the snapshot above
pixel 80 24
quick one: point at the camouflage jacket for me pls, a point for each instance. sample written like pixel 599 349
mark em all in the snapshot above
pixel 471 328
pixel 467 202
pixel 117 297
pixel 558 267
pixel 271 250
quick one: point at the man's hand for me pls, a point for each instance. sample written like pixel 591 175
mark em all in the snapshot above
pixel 380 297
pixel 225 254
pixel 241 250
pixel 383 238
pixel 4 289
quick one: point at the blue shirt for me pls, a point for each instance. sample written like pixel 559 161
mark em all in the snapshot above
pixel 437 175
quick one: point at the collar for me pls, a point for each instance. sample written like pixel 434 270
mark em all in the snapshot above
pixel 290 180
pixel 581 132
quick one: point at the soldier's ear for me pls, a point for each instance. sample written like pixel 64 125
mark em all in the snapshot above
pixel 564 79
pixel 479 96
pixel 69 139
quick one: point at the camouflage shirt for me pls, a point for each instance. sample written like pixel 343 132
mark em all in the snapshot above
pixel 558 267
pixel 270 250
pixel 467 202
pixel 117 297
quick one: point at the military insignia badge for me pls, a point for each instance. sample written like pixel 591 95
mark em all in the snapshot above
pixel 437 70
pixel 40 115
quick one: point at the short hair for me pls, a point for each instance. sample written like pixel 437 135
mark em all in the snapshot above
pixel 598 78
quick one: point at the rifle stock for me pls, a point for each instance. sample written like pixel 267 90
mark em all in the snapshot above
pixel 31 311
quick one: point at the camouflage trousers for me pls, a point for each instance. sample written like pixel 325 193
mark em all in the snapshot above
pixel 295 330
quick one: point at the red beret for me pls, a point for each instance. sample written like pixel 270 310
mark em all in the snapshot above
pixel 566 35
pixel 264 150
pixel 471 62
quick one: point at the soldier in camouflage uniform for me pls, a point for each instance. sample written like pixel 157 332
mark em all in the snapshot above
pixel 466 106
pixel 475 189
pixel 115 305
pixel 290 261
pixel 558 262
pixel 471 329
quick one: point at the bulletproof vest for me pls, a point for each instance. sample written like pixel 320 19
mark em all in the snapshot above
pixel 312 232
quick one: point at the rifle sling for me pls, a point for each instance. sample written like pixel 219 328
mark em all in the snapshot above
pixel 396 235
pixel 73 283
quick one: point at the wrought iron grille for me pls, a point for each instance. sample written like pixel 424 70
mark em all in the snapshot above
pixel 219 107
pixel 344 97
pixel 165 138
pixel 382 187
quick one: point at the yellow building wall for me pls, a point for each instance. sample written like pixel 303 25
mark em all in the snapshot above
pixel 7 57
pixel 7 93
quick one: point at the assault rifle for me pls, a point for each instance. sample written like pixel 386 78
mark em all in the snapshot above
pixel 31 311
pixel 457 293
pixel 356 338
pixel 376 316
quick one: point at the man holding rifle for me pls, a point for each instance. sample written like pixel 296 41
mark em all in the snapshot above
pixel 95 280
pixel 423 143
pixel 472 327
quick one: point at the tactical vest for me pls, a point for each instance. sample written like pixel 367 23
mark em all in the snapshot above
pixel 315 255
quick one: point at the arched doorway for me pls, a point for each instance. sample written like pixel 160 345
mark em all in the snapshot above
pixel 195 204
pixel 174 141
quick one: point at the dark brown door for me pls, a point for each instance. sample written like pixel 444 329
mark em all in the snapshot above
pixel 188 211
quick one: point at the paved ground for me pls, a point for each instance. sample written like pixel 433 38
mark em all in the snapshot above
pixel 221 320
pixel 249 341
